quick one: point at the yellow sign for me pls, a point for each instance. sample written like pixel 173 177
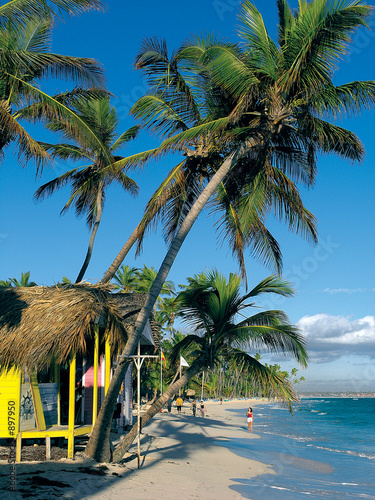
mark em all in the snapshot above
pixel 10 393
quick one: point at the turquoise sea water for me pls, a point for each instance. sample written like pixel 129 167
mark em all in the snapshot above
pixel 327 450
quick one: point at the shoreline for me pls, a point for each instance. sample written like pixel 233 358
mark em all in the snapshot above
pixel 181 457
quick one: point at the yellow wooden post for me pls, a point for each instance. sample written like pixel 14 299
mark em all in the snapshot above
pixel 18 447
pixel 57 381
pixel 107 364
pixel 37 400
pixel 72 406
pixel 10 401
pixel 96 366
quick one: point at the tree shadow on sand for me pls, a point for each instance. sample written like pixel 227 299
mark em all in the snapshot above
pixel 42 480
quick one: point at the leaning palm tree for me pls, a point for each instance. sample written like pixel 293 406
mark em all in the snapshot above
pixel 216 312
pixel 281 94
pixel 90 182
pixel 25 60
pixel 173 105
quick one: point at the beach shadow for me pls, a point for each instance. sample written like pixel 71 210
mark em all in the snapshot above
pixel 77 480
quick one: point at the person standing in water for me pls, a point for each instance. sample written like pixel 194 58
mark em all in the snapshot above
pixel 249 415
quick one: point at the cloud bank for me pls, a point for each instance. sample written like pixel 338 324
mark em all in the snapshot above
pixel 331 337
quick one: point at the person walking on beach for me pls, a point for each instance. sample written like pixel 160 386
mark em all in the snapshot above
pixel 203 409
pixel 194 407
pixel 179 403
pixel 249 415
pixel 169 405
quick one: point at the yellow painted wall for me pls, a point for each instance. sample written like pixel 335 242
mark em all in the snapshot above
pixel 10 393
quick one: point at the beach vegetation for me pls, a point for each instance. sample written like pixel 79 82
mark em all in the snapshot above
pixel 14 282
pixel 281 103
pixel 17 13
pixel 217 315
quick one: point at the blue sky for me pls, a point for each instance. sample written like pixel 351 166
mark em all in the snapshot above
pixel 334 281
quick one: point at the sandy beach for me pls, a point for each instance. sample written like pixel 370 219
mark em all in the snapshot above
pixel 182 457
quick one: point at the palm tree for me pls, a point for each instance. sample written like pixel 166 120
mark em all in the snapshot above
pixel 166 314
pixel 25 281
pixel 176 106
pixel 19 12
pixel 280 97
pixel 25 59
pixel 146 277
pixel 126 278
pixel 89 182
pixel 215 311
pixel 6 283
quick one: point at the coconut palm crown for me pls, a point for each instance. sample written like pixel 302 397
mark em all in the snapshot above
pixel 214 309
pixel 89 182
pixel 25 61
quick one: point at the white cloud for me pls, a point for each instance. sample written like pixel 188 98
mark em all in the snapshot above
pixel 330 337
pixel 348 291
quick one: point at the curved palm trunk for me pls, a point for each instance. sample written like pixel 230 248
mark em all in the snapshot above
pixel 98 447
pixel 93 234
pixel 112 270
pixel 123 447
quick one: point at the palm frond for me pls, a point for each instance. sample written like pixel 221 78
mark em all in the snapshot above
pixel 126 136
pixel 27 146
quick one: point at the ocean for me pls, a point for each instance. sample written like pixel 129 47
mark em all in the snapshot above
pixel 326 450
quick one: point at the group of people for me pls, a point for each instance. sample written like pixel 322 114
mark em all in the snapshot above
pixel 202 408
pixel 193 405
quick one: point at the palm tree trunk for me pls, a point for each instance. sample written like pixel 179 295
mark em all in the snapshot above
pixel 98 446
pixel 112 270
pixel 98 219
pixel 123 447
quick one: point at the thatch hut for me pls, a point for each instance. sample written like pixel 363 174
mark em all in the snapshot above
pixel 45 326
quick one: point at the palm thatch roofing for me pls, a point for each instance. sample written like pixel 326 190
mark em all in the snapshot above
pixel 39 325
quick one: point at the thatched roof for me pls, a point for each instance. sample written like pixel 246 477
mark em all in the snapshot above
pixel 41 324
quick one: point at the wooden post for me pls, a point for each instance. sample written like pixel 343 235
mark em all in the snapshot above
pixel 38 407
pixel 18 447
pixel 96 366
pixel 72 406
pixel 48 448
pixel 107 364
pixel 57 381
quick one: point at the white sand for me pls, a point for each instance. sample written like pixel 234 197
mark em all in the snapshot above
pixel 182 458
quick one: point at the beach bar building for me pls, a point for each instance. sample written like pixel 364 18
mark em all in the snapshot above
pixel 52 335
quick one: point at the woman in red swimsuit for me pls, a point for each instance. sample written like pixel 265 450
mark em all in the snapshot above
pixel 249 415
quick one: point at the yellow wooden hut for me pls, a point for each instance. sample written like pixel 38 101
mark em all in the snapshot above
pixel 45 328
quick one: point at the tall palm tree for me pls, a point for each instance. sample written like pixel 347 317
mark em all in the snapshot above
pixel 166 314
pixel 216 312
pixel 90 182
pixel 281 94
pixel 25 60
